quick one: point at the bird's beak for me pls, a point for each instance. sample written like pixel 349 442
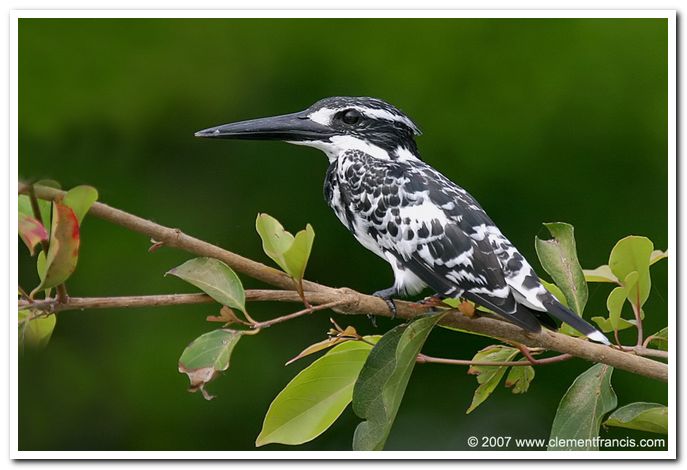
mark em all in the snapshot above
pixel 289 127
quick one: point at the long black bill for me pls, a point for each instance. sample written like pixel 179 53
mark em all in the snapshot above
pixel 290 127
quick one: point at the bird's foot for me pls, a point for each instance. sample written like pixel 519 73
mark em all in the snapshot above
pixel 385 295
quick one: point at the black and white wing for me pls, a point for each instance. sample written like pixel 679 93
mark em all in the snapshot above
pixel 455 265
pixel 433 232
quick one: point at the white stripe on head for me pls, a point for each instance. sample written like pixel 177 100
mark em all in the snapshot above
pixel 324 116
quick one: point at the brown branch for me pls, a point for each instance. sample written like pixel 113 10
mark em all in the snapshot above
pixel 647 352
pixel 53 305
pixel 300 313
pixel 137 301
pixel 357 303
pixel 423 358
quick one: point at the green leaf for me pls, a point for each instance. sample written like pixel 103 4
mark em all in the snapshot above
pixel 657 255
pixel 642 416
pixel 80 199
pixel 36 332
pixel 31 232
pixel 24 206
pixel 275 240
pixel 49 183
pixel 570 331
pixel 600 274
pixel 382 382
pixel 289 252
pixel 44 207
pixel 41 265
pixel 346 335
pixel 296 257
pixel 582 409
pixel 634 292
pixel 558 256
pixel 604 324
pixel 556 291
pixel 660 339
pixel 206 357
pixel 215 278
pixel 63 254
pixel 488 377
pixel 632 254
pixel 446 327
pixel 520 377
pixel 614 304
pixel 316 397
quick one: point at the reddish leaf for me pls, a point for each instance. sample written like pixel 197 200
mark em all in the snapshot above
pixel 64 247
pixel 31 232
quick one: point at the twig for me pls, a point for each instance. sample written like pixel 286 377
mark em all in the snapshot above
pixel 24 295
pixel 62 295
pixel 423 358
pixel 534 361
pixel 300 313
pixel 647 352
pixel 137 301
pixel 356 303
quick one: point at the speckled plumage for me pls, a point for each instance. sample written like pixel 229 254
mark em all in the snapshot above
pixel 432 232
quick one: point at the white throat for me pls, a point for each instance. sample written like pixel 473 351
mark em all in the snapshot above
pixel 339 144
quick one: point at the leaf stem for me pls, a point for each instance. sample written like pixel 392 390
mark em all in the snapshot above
pixel 45 244
pixel 62 295
pixel 638 316
pixel 24 295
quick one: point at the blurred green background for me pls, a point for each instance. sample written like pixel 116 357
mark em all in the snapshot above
pixel 542 120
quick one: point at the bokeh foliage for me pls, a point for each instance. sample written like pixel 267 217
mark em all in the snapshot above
pixel 541 120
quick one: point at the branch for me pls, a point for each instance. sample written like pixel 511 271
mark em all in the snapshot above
pixel 357 303
pixel 423 358
pixel 135 301
pixel 300 313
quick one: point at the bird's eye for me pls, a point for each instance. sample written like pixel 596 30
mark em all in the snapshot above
pixel 351 117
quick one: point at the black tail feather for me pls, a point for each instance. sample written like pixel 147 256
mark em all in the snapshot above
pixel 566 315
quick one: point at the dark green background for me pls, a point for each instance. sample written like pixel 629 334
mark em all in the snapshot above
pixel 542 120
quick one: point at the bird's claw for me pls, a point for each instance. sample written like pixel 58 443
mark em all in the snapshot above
pixel 385 295
pixel 392 307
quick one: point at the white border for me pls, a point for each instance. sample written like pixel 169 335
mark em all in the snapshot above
pixel 260 454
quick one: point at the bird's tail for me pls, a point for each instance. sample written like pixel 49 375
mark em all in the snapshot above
pixel 566 315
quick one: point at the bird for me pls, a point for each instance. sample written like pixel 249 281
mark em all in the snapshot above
pixel 431 231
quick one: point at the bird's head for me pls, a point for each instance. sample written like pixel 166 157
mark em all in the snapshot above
pixel 334 125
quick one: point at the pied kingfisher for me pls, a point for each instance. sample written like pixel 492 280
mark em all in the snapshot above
pixel 431 231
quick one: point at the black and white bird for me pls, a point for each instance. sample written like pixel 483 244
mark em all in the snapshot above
pixel 431 231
